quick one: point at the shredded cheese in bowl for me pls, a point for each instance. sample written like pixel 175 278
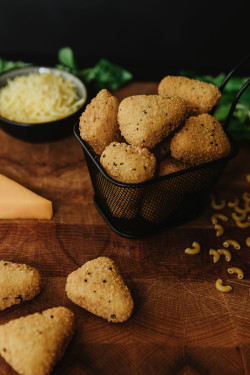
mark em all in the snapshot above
pixel 39 98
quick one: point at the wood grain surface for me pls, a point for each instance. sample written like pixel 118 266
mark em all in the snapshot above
pixel 181 324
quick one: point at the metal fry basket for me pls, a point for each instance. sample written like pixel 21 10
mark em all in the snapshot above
pixel 138 210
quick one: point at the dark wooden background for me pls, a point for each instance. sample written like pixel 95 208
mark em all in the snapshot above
pixel 181 324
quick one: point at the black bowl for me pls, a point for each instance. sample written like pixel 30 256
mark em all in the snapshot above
pixel 46 131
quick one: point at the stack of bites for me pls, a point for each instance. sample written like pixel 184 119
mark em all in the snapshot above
pixel 175 123
pixel 149 135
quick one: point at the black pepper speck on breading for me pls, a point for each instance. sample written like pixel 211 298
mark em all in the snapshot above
pixel 98 123
pixel 109 297
pixel 196 145
pixel 18 283
pixel 134 159
pixel 201 97
pixel 160 117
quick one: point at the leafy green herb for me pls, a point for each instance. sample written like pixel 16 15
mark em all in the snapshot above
pixel 67 58
pixel 240 123
pixel 103 75
pixel 8 65
pixel 106 75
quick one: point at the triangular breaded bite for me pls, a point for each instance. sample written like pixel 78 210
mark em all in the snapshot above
pixel 201 139
pixel 99 288
pixel 18 283
pixel 33 344
pixel 200 96
pixel 98 123
pixel 146 120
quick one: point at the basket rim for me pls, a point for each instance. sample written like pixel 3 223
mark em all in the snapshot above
pixel 88 150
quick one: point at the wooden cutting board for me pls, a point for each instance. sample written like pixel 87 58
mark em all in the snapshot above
pixel 181 323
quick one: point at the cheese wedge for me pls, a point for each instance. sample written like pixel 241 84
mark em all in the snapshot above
pixel 17 202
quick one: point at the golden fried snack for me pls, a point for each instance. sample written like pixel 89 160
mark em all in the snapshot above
pixel 129 164
pixel 18 283
pixel 170 165
pixel 98 123
pixel 98 287
pixel 33 344
pixel 146 120
pixel 201 97
pixel 201 139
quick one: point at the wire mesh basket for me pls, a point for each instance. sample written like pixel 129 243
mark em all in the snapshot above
pixel 137 210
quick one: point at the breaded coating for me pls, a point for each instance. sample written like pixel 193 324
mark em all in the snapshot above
pixel 170 165
pixel 201 97
pixel 33 344
pixel 99 288
pixel 18 283
pixel 146 120
pixel 202 139
pixel 98 123
pixel 129 164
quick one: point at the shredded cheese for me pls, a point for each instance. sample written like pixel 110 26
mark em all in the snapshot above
pixel 37 98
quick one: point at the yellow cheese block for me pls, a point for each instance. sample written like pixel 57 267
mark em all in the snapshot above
pixel 17 202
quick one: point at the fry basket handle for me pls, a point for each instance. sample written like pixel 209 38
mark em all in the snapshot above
pixel 235 101
pixel 229 75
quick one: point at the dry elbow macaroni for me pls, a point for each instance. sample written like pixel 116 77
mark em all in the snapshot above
pixel 216 255
pixel 237 270
pixel 215 217
pixel 234 203
pixel 238 220
pixel 219 230
pixel 194 250
pixel 240 224
pixel 226 253
pixel 222 288
pixel 246 196
pixel 240 210
pixel 237 217
pixel 233 243
pixel 217 206
pixel 240 217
